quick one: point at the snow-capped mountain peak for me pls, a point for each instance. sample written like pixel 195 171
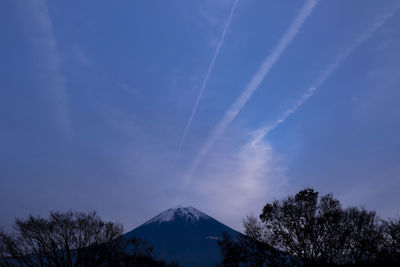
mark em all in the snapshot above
pixel 184 234
pixel 188 214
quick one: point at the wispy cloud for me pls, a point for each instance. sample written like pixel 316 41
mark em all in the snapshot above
pixel 205 81
pixel 261 133
pixel 238 177
pixel 43 38
pixel 81 56
pixel 256 80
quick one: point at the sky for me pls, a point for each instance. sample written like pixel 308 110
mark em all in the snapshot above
pixel 133 107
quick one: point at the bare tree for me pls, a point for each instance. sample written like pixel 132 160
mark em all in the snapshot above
pixel 391 250
pixel 251 249
pixel 307 230
pixel 64 239
pixel 72 239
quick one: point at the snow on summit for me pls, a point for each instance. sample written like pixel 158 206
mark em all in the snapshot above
pixel 189 214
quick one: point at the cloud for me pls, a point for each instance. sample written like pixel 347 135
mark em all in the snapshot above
pixel 237 178
pixel 379 22
pixel 204 83
pixel 130 89
pixel 81 56
pixel 42 37
pixel 255 81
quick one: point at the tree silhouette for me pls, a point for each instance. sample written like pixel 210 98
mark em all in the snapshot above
pixel 391 248
pixel 72 239
pixel 311 231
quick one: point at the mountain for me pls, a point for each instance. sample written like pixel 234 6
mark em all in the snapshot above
pixel 185 235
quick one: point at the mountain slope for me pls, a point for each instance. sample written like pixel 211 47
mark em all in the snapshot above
pixel 184 234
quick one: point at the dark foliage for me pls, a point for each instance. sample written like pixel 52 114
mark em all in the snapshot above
pixel 305 230
pixel 72 239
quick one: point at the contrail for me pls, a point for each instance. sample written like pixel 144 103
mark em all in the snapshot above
pixel 255 81
pixel 46 43
pixel 261 133
pixel 209 70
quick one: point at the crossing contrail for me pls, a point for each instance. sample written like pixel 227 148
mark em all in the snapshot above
pixel 261 133
pixel 256 80
pixel 204 83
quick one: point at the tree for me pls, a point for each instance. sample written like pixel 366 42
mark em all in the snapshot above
pixel 391 232
pixel 71 239
pixel 251 249
pixel 304 227
pixel 307 230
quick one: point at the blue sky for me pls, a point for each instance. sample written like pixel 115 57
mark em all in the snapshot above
pixel 95 99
